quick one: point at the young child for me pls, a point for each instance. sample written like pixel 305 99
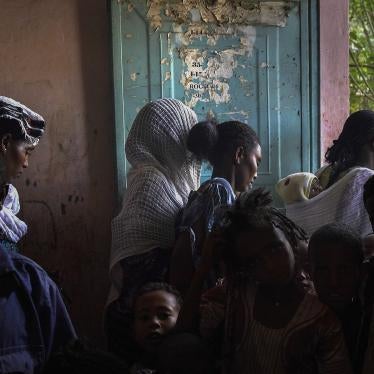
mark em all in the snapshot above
pixel 156 309
pixel 336 259
pixel 271 324
pixel 298 187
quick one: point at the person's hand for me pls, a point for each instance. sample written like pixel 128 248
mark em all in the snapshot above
pixel 213 248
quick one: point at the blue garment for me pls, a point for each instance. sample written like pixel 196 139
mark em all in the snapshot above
pixel 207 203
pixel 8 245
pixel 34 322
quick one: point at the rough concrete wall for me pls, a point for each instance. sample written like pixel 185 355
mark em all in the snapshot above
pixel 55 57
pixel 334 69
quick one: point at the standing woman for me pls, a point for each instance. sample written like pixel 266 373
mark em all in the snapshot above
pixel 350 163
pixel 233 150
pixel 20 130
pixel 163 174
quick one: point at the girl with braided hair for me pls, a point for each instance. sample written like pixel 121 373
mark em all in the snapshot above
pixel 271 323
pixel 233 150
pixel 350 163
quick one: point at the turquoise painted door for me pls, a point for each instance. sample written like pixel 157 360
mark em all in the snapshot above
pixel 222 67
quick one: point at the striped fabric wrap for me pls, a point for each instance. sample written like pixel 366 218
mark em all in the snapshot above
pixel 341 203
pixel 25 121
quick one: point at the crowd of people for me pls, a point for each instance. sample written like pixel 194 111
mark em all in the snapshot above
pixel 208 278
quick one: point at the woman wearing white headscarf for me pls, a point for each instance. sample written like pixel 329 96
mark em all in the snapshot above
pixel 20 131
pixel 350 163
pixel 162 176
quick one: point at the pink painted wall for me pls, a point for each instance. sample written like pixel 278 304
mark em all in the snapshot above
pixel 334 69
pixel 55 57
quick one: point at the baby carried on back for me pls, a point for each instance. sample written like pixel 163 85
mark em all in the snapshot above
pixel 350 165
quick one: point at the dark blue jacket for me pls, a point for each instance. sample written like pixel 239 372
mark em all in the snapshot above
pixel 33 319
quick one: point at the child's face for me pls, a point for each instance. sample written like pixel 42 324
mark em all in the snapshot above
pixel 155 313
pixel 315 188
pixel 267 254
pixel 336 274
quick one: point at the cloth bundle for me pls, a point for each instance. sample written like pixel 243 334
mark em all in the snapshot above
pixel 12 227
pixel 341 203
pixel 295 187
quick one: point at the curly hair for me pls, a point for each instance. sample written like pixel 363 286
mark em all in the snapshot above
pixel 159 286
pixel 337 233
pixel 345 151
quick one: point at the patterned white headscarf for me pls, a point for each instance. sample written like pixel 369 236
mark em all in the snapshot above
pixel 23 124
pixel 11 226
pixel 162 176
pixel 27 125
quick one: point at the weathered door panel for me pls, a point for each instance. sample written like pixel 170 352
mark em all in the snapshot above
pixel 229 71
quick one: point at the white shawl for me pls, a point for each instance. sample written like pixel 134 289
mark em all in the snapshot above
pixel 13 228
pixel 162 176
pixel 340 203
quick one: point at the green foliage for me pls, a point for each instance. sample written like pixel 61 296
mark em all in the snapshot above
pixel 361 53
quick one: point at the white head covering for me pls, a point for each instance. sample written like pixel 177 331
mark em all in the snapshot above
pixel 295 187
pixel 158 138
pixel 162 177
pixel 340 203
pixel 13 228
pixel 27 125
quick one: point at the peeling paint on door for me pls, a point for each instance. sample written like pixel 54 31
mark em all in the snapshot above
pixel 199 29
pixel 207 71
pixel 237 62
pixel 244 12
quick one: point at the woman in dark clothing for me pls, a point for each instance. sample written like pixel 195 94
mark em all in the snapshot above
pixel 20 130
pixel 233 150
